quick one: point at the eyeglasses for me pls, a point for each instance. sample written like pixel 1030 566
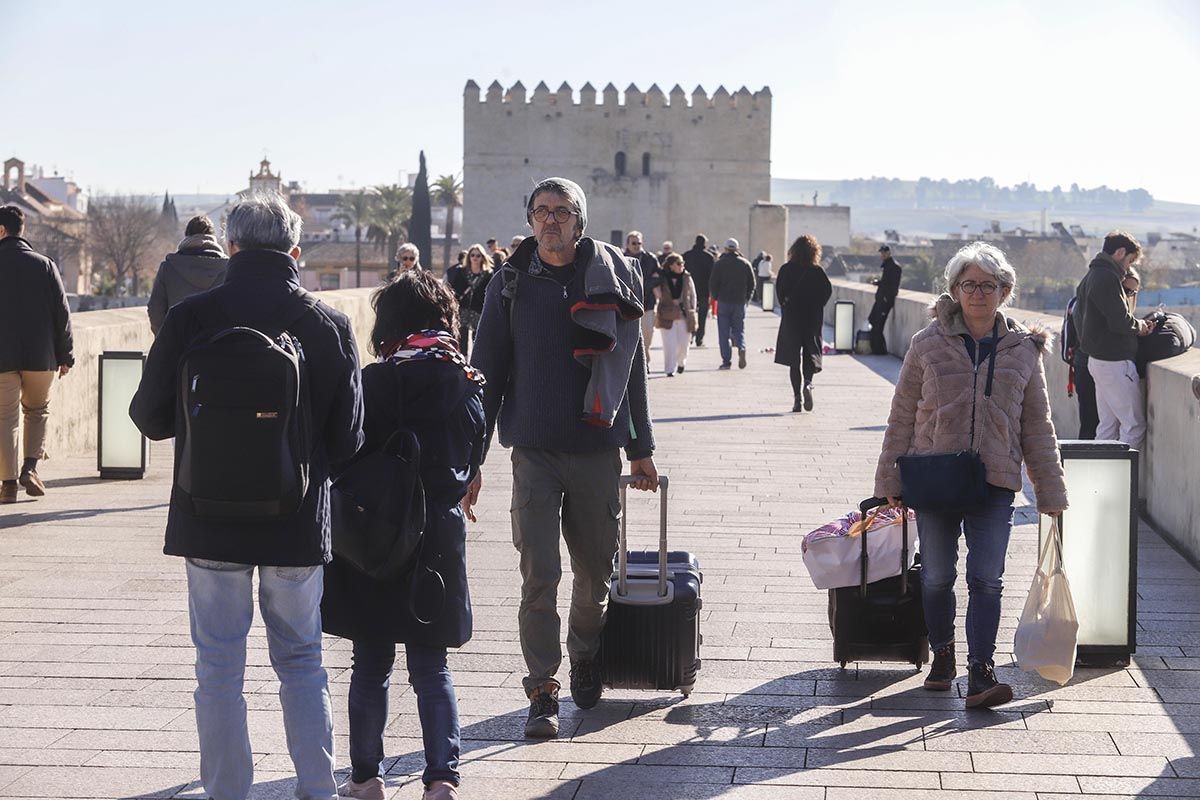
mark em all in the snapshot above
pixel 970 287
pixel 1130 292
pixel 561 215
pixel 408 258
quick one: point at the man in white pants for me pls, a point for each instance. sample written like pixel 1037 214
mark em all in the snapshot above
pixel 1108 332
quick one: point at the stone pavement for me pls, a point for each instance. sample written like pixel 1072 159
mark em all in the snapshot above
pixel 96 661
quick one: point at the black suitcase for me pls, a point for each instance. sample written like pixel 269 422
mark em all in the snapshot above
pixel 884 620
pixel 651 637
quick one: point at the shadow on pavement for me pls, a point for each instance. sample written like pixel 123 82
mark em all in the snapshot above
pixel 9 520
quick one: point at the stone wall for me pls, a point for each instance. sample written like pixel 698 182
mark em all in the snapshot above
pixel 1170 480
pixel 73 399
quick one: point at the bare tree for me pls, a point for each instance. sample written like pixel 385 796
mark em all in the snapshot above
pixel 126 237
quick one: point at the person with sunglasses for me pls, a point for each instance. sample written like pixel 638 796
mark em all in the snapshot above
pixel 973 380
pixel 408 256
pixel 1108 335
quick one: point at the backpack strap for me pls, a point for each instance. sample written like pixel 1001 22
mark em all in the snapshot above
pixel 508 292
pixel 290 311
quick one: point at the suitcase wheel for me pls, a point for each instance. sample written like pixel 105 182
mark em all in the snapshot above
pixel 686 691
pixel 843 665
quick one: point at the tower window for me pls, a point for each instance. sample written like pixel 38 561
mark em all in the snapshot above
pixel 619 164
pixel 645 163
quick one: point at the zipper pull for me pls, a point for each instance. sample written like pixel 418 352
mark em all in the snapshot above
pixel 564 292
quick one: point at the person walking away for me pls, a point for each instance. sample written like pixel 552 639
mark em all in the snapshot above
pixel 676 313
pixel 35 345
pixel 803 289
pixel 197 266
pixel 651 276
pixel 1108 332
pixel 284 535
pixel 732 287
pixel 422 383
pixel 951 396
pixel 699 264
pixel 885 298
pixel 566 417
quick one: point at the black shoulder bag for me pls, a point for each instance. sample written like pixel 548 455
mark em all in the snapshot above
pixel 949 482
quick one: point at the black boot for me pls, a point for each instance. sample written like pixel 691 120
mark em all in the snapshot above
pixel 808 400
pixel 543 713
pixel 586 685
pixel 798 404
pixel 983 690
pixel 943 671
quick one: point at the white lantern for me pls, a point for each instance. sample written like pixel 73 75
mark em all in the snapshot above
pixel 121 449
pixel 768 297
pixel 1100 547
pixel 843 326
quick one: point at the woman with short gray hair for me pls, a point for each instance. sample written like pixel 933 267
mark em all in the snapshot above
pixel 408 256
pixel 970 406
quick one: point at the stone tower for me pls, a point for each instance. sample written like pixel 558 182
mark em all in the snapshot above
pixel 265 181
pixel 653 162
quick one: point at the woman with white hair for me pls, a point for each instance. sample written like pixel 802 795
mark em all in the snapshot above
pixel 408 256
pixel 970 406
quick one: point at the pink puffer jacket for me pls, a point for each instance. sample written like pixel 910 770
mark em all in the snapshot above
pixel 931 410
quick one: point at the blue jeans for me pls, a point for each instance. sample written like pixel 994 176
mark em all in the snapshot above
pixel 370 679
pixel 731 322
pixel 221 607
pixel 987 530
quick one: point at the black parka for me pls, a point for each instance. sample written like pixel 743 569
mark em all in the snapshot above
pixel 35 320
pixel 443 407
pixel 803 291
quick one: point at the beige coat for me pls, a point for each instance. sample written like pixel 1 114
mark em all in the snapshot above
pixel 686 302
pixel 931 410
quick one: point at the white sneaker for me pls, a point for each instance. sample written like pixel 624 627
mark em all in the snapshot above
pixel 367 790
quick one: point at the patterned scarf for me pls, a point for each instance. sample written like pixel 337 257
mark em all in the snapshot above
pixel 430 345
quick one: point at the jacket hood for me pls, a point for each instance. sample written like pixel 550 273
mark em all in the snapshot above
pixel 946 313
pixel 201 244
pixel 201 272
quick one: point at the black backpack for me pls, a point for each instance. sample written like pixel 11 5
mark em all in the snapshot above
pixel 1068 343
pixel 1170 335
pixel 248 428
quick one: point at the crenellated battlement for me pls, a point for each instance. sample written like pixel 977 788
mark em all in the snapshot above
pixel 610 98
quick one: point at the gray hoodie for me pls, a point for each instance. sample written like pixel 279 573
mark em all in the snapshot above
pixel 196 267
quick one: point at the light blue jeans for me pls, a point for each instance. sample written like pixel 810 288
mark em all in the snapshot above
pixel 731 323
pixel 221 606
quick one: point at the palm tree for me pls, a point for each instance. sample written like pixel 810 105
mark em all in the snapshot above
pixel 389 217
pixel 447 191
pixel 355 209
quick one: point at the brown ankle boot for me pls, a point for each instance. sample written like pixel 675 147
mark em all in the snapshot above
pixel 943 671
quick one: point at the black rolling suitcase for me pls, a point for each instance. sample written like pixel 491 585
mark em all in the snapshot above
pixel 884 620
pixel 651 636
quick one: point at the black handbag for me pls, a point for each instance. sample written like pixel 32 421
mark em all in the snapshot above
pixel 377 509
pixel 949 482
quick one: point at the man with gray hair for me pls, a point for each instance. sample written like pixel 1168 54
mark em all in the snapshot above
pixel 560 344
pixel 226 517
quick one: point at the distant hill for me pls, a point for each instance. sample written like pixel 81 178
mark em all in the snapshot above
pixel 936 208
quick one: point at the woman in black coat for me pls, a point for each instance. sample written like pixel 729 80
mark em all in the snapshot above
pixel 423 383
pixel 803 289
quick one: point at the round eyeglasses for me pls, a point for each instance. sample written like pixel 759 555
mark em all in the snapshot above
pixel 970 287
pixel 561 215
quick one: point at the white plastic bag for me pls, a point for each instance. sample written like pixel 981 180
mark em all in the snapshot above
pixel 1047 633
pixel 833 552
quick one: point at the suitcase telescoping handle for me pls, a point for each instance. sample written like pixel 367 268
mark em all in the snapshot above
pixel 864 507
pixel 623 548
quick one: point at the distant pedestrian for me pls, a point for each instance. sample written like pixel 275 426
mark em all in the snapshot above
pixel 885 299
pixel 496 252
pixel 1108 333
pixel 262 505
pixel 566 416
pixel 803 289
pixel 668 247
pixel 423 383
pixel 476 276
pixel 675 313
pixel 197 266
pixel 408 256
pixel 732 287
pixel 699 264
pixel 763 270
pixel 515 243
pixel 651 277
pixel 35 344
pixel 944 403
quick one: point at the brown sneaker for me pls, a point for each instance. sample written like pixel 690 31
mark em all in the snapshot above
pixel 32 483
pixel 942 671
pixel 8 493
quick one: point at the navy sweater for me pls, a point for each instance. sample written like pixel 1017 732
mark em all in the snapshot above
pixel 535 387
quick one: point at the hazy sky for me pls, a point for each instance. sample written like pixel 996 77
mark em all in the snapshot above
pixel 140 95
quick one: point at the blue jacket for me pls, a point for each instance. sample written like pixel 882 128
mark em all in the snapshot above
pixel 535 384
pixel 257 282
pixel 442 407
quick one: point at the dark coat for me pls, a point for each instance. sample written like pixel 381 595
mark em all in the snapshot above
pixel 699 263
pixel 651 276
pixel 196 267
pixel 444 408
pixel 889 283
pixel 733 280
pixel 1108 330
pixel 35 320
pixel 257 284
pixel 456 279
pixel 803 292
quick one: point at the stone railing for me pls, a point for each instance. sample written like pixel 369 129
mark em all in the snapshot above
pixel 73 400
pixel 1169 477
